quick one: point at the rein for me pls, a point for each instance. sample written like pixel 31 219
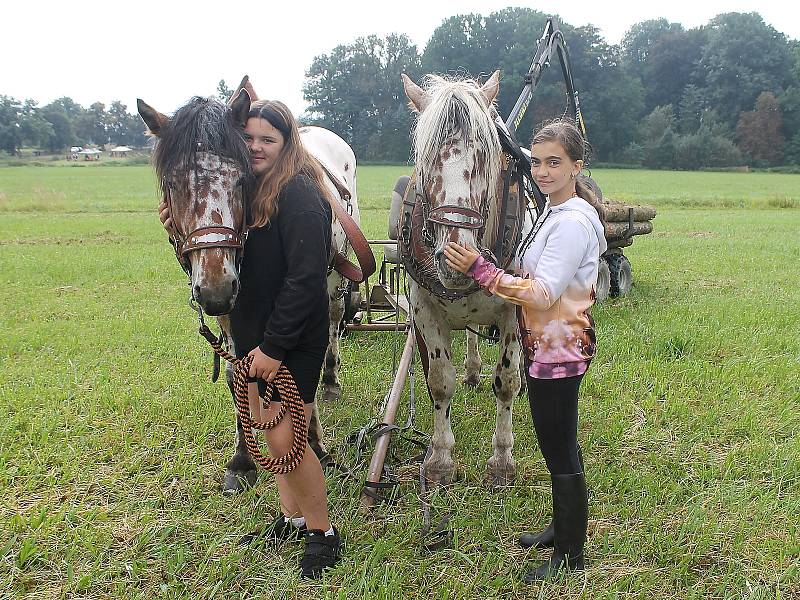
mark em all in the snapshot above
pixel 291 401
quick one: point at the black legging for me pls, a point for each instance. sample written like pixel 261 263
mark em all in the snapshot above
pixel 554 408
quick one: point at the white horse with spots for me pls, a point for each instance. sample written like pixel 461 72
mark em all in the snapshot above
pixel 201 160
pixel 458 162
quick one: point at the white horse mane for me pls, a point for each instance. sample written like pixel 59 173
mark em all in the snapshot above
pixel 456 105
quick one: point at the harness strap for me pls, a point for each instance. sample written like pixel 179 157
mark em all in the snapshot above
pixel 501 221
pixel 364 256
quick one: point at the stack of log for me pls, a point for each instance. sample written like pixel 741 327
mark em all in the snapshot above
pixel 617 222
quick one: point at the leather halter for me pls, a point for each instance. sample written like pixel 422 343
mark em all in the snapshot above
pixel 203 238
pixel 466 217
pixel 416 242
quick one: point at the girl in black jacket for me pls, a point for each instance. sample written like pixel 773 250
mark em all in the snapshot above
pixel 281 314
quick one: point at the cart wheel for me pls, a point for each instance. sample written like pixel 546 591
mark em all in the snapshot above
pixel 603 280
pixel 621 274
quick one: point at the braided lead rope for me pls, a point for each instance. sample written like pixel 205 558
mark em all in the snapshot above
pixel 291 401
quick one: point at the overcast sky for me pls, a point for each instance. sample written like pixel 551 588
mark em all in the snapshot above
pixel 167 51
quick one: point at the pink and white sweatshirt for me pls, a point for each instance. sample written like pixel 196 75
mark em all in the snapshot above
pixel 556 291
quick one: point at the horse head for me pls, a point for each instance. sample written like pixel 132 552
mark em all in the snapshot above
pixel 203 168
pixel 457 156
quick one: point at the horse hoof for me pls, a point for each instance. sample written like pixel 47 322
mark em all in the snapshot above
pixel 331 392
pixel 438 475
pixel 472 380
pixel 500 478
pixel 238 481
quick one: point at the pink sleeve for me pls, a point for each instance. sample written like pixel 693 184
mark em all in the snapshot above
pixel 518 290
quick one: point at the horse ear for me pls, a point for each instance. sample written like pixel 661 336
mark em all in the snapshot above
pixel 491 87
pixel 249 87
pixel 240 107
pixel 414 93
pixel 244 85
pixel 152 118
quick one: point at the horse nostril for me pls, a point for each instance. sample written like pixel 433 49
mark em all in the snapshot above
pixel 235 287
pixel 196 294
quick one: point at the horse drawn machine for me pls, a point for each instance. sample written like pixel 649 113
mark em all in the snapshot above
pixel 471 183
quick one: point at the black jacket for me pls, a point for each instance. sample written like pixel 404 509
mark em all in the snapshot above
pixel 283 300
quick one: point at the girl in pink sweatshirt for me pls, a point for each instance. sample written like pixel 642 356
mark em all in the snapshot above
pixel 555 293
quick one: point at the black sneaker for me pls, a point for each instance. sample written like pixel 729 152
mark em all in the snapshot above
pixel 277 531
pixel 321 553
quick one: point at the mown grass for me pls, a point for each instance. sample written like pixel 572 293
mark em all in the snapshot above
pixel 112 440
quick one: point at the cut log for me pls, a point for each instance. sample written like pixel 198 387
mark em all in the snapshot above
pixel 615 212
pixel 616 230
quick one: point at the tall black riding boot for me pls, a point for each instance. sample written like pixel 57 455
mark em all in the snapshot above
pixel 570 518
pixel 544 539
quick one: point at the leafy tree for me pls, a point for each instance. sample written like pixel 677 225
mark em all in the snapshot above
pixel 35 130
pixel 118 124
pixel 458 47
pixel 223 91
pixel 759 131
pixel 10 134
pixel 356 91
pixel 72 109
pixel 691 109
pixel 704 149
pixel 92 125
pixel 663 56
pixel 791 153
pixel 790 111
pixel 62 134
pixel 639 40
pixel 743 57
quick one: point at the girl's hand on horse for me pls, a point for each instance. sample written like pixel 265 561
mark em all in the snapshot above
pixel 165 216
pixel 459 257
pixel 263 366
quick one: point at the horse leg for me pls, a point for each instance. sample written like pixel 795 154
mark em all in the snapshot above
pixel 315 437
pixel 331 388
pixel 240 472
pixel 472 361
pixel 501 466
pixel 434 341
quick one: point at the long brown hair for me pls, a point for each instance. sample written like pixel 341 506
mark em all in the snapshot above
pixel 292 160
pixel 577 148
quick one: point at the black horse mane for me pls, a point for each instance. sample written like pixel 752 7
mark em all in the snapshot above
pixel 201 125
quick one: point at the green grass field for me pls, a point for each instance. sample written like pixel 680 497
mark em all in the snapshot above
pixel 113 439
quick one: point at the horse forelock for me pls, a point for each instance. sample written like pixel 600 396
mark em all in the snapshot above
pixel 457 106
pixel 201 125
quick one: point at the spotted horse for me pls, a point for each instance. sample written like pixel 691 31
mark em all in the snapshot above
pixel 464 189
pixel 203 169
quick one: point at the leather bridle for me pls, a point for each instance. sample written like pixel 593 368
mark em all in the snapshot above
pixel 467 217
pixel 212 236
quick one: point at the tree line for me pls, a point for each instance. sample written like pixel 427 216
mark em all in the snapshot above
pixel 726 93
pixel 723 94
pixel 64 123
